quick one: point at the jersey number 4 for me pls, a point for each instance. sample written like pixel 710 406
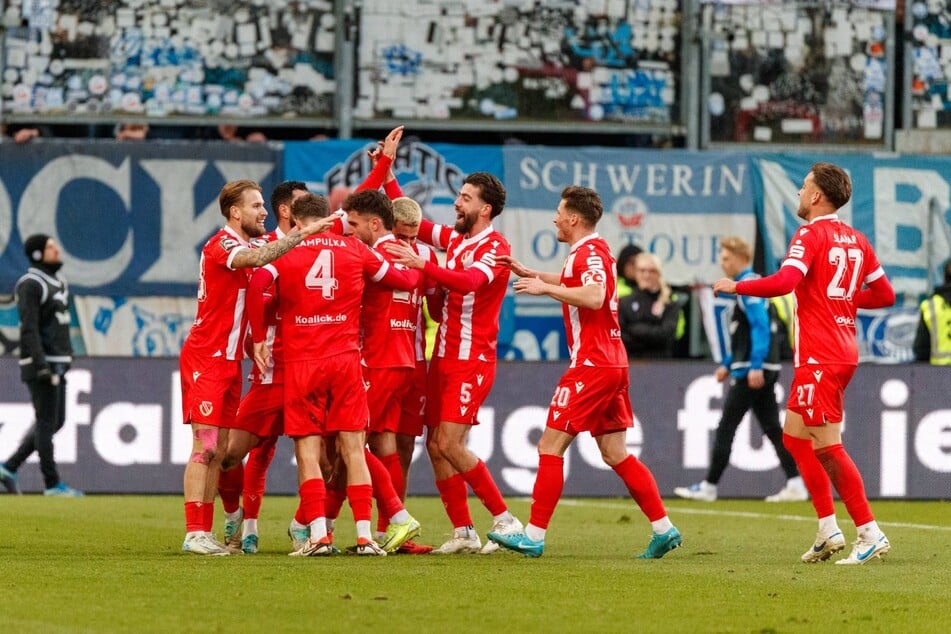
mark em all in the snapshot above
pixel 848 267
pixel 321 274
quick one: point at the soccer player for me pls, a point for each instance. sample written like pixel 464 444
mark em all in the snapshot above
pixel 834 271
pixel 463 368
pixel 752 367
pixel 407 216
pixel 388 323
pixel 260 420
pixel 592 395
pixel 320 287
pixel 210 361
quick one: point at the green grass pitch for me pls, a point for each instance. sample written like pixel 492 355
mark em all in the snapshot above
pixel 113 563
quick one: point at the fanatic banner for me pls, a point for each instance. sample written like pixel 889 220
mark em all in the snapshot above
pixel 131 218
pixel 430 174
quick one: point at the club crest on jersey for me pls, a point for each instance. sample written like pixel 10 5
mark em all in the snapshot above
pixel 195 375
pixel 463 409
pixel 479 379
pixel 810 411
pixel 206 408
pixel 818 375
pixel 555 415
pixel 467 259
pixel 578 387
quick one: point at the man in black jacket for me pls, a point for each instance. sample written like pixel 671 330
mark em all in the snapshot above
pixel 45 354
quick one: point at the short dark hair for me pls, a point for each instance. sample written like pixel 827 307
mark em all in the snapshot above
pixel 583 201
pixel 491 190
pixel 833 182
pixel 283 194
pixel 310 206
pixel 371 202
pixel 947 271
pixel 232 192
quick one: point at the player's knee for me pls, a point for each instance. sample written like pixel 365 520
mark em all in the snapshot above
pixel 204 444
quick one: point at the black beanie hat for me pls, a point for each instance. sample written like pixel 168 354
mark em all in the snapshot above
pixel 34 247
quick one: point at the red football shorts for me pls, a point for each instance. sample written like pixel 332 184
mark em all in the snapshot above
pixel 211 390
pixel 324 397
pixel 594 400
pixel 413 404
pixel 817 392
pixel 262 410
pixel 385 390
pixel 457 389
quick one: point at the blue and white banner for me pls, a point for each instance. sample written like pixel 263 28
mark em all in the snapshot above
pixel 131 218
pixel 430 174
pixel 901 203
pixel 675 204
pixel 135 326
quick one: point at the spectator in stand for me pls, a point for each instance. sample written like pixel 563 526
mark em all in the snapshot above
pixel 134 131
pixel 649 316
pixel 625 269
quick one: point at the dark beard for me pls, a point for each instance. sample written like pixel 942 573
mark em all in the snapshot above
pixel 464 225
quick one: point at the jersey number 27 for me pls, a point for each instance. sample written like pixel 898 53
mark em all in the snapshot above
pixel 848 267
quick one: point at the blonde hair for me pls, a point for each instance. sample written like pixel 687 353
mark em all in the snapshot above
pixel 232 192
pixel 649 259
pixel 737 246
pixel 407 211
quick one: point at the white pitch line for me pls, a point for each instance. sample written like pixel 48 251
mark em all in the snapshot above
pixel 746 514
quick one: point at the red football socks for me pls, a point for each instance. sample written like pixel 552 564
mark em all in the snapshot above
pixel 485 488
pixel 194 517
pixel 643 488
pixel 230 483
pixel 255 476
pixel 360 497
pixel 847 481
pixel 549 483
pixel 454 496
pixel 313 493
pixel 814 476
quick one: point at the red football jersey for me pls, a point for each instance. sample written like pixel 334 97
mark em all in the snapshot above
pixel 272 320
pixel 388 321
pixel 320 288
pixel 836 261
pixel 469 326
pixel 594 337
pixel 220 325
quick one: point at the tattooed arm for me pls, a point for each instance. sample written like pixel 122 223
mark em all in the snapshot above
pixel 272 250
